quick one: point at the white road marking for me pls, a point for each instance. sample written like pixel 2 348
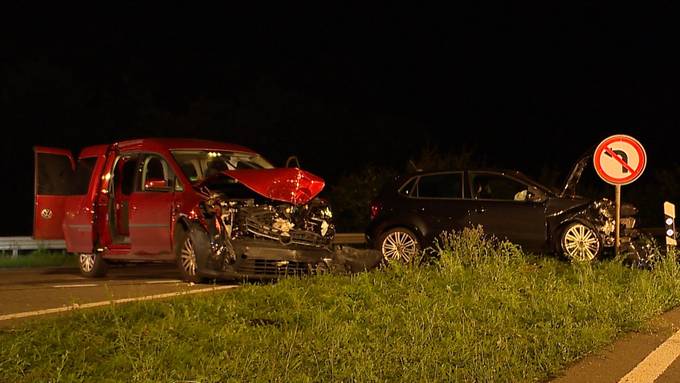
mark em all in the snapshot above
pixel 164 281
pixel 76 285
pixel 77 306
pixel 655 363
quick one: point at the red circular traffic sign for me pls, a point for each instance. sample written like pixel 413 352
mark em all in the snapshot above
pixel 620 159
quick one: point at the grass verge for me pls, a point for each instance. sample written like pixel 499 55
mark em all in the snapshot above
pixel 39 258
pixel 484 312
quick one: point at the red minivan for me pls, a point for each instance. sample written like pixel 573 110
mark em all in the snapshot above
pixel 218 210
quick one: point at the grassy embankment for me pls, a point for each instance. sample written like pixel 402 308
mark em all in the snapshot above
pixel 38 258
pixel 485 312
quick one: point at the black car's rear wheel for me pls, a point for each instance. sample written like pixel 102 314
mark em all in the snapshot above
pixel 580 242
pixel 399 245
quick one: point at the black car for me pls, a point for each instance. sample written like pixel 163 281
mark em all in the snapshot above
pixel 413 210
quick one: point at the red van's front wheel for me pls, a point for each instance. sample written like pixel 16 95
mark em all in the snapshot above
pixel 92 265
pixel 186 254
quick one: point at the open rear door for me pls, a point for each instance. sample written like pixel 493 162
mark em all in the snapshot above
pixel 54 181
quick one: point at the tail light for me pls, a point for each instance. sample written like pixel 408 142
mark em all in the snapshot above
pixel 375 209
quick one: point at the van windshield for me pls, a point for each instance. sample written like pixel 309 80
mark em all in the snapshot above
pixel 198 165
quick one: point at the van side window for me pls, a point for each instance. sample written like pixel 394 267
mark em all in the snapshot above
pixel 156 174
pixel 124 174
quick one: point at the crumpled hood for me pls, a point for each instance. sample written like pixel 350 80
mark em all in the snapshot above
pixel 569 189
pixel 292 185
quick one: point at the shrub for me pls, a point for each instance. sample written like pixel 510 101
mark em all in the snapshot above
pixel 353 192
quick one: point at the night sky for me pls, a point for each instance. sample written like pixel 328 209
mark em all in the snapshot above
pixel 525 86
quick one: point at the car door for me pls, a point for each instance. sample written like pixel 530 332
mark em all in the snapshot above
pixel 54 175
pixel 79 213
pixel 121 185
pixel 503 206
pixel 439 201
pixel 150 207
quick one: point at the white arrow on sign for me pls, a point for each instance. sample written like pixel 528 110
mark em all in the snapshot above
pixel 619 159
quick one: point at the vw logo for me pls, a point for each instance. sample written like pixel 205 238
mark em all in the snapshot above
pixel 46 213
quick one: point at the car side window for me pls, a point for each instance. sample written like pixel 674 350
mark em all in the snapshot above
pixel 407 188
pixel 156 174
pixel 497 187
pixel 445 185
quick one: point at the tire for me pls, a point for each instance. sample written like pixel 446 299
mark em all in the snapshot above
pixel 579 242
pixel 186 254
pixel 399 245
pixel 92 265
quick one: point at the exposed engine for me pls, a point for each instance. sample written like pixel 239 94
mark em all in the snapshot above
pixel 637 246
pixel 230 219
pixel 603 213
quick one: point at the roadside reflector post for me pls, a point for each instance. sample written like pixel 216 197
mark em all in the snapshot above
pixel 669 225
pixel 619 160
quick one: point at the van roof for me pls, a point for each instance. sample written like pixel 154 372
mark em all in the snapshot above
pixel 166 143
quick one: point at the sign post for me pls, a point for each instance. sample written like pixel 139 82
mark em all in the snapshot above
pixel 617 201
pixel 619 160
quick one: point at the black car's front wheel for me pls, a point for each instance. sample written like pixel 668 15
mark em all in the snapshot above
pixel 399 245
pixel 580 242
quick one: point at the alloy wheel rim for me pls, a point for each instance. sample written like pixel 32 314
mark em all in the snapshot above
pixel 399 246
pixel 188 257
pixel 87 262
pixel 580 243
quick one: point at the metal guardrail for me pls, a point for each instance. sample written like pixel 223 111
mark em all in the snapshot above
pixel 16 244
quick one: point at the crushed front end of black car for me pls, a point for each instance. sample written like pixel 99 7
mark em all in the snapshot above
pixel 636 247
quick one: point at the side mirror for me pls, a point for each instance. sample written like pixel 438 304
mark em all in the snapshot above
pixel 291 160
pixel 157 185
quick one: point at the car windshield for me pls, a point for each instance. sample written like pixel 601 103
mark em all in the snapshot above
pixel 198 165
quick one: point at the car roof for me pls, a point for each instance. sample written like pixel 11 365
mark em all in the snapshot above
pixel 510 172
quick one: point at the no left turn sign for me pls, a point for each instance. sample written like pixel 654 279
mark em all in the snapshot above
pixel 620 159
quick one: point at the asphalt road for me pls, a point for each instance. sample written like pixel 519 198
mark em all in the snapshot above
pixel 30 290
pixel 648 356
